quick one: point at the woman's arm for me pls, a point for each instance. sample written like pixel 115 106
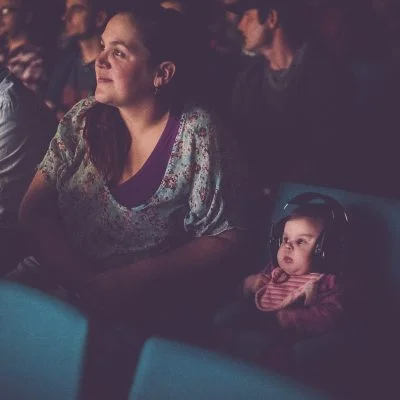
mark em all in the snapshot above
pixel 46 236
pixel 205 265
pixel 199 256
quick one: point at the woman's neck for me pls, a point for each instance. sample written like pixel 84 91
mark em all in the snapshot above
pixel 145 124
pixel 141 118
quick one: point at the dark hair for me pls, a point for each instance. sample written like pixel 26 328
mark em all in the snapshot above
pixel 109 6
pixel 162 33
pixel 293 17
pixel 319 212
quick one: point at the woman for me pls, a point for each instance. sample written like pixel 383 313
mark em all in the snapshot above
pixel 139 192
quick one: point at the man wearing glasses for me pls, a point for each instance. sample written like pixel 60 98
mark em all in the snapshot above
pixel 73 77
pixel 20 54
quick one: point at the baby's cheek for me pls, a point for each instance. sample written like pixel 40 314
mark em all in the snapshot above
pixel 309 260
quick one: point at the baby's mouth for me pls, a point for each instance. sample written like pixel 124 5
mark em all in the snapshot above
pixel 288 260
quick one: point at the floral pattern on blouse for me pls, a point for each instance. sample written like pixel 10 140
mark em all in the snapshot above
pixel 201 193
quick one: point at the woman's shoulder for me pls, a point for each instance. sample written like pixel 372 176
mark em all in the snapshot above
pixel 76 116
pixel 195 112
pixel 69 135
pixel 202 120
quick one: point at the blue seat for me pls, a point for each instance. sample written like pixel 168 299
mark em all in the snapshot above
pixel 170 370
pixel 374 237
pixel 355 362
pixel 42 342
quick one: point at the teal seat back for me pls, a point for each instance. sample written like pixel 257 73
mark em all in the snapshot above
pixel 374 239
pixel 174 371
pixel 42 342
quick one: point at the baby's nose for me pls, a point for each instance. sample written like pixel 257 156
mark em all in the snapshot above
pixel 288 245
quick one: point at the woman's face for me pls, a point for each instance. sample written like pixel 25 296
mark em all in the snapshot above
pixel 123 71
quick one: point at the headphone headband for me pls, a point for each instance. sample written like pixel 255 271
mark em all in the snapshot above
pixel 308 198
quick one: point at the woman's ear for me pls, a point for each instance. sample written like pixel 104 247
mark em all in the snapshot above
pixel 165 73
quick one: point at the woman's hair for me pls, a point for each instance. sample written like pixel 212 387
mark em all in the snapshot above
pixel 162 33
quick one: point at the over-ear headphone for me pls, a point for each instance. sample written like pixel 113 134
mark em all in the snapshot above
pixel 329 248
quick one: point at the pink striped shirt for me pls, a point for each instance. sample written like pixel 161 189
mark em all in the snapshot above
pixel 307 304
pixel 283 290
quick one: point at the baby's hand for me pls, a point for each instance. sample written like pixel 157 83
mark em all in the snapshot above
pixel 254 282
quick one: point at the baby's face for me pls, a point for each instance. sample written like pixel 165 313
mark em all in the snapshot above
pixel 298 243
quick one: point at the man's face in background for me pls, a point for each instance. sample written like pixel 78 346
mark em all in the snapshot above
pixel 79 19
pixel 256 34
pixel 12 18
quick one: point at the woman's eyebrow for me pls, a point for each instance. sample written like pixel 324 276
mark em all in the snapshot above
pixel 117 42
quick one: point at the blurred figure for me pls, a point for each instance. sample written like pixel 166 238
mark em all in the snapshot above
pixel 291 101
pixel 20 55
pixel 26 128
pixel 226 36
pixel 176 5
pixel 73 77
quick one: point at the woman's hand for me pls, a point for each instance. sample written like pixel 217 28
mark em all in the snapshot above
pixel 253 283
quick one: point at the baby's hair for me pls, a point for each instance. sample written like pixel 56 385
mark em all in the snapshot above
pixel 319 212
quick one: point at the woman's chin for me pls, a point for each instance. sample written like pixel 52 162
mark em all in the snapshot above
pixel 100 97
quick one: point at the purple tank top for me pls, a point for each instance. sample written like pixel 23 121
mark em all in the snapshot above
pixel 138 189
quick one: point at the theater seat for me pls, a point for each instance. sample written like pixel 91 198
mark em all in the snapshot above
pixel 354 362
pixel 42 343
pixel 170 370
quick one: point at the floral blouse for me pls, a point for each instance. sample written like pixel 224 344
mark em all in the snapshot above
pixel 201 193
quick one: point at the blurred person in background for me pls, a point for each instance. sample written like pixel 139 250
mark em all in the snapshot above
pixel 226 36
pixel 20 54
pixel 26 128
pixel 73 77
pixel 292 100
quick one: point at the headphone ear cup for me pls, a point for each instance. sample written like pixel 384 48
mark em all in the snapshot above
pixel 329 250
pixel 320 256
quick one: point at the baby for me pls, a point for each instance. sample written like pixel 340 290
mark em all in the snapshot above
pixel 300 294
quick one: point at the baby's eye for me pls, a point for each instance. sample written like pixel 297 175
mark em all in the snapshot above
pixel 102 47
pixel 301 242
pixel 118 53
